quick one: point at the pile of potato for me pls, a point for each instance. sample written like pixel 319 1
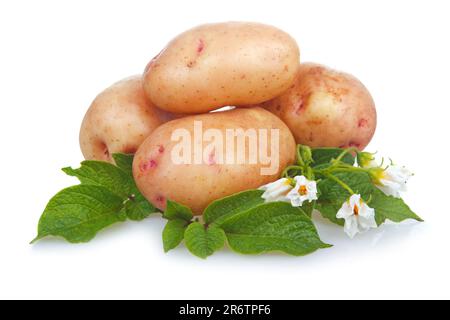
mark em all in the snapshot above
pixel 253 67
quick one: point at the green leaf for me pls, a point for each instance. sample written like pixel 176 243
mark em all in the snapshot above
pixel 386 207
pixel 308 207
pixel 137 208
pixel 219 210
pixel 177 211
pixel 202 241
pixel 103 174
pixel 122 184
pixel 329 212
pixel 173 234
pixel 106 181
pixel 78 213
pixel 124 162
pixel 323 156
pixel 273 226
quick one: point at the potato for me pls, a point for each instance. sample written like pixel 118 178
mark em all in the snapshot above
pixel 223 64
pixel 326 108
pixel 211 172
pixel 119 120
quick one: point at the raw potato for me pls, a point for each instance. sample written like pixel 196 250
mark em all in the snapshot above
pixel 223 64
pixel 197 185
pixel 119 120
pixel 326 108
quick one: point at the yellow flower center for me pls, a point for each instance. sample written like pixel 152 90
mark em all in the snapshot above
pixel 378 174
pixel 356 210
pixel 302 190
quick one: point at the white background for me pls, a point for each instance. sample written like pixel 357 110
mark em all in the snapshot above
pixel 55 56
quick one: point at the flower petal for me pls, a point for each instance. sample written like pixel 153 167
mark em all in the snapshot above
pixel 301 180
pixel 345 211
pixel 296 201
pixel 355 200
pixel 276 191
pixel 391 188
pixel 351 226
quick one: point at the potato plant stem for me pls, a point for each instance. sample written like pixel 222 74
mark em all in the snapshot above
pixel 340 182
pixel 338 160
pixel 300 161
pixel 286 171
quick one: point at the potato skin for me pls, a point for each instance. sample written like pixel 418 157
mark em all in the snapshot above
pixel 197 185
pixel 119 120
pixel 327 108
pixel 223 64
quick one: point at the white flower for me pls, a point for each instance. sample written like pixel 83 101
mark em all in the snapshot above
pixel 358 216
pixel 392 180
pixel 304 190
pixel 277 191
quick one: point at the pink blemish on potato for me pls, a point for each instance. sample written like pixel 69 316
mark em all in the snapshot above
pixel 354 144
pixel 147 165
pixel 149 66
pixel 212 158
pixel 200 46
pixel 152 62
pixel 300 107
pixel 160 200
pixel 351 144
pixel 106 154
pixel 362 123
pixel 199 50
pixel 161 149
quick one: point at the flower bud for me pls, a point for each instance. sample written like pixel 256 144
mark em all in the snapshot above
pixel 366 160
pixel 306 154
pixel 309 173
